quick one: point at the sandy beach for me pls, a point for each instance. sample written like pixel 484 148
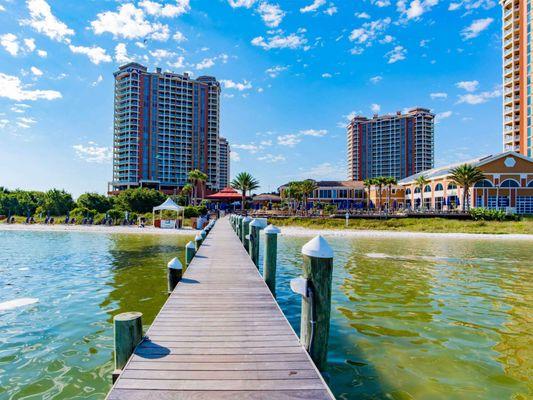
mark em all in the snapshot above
pixel 305 232
pixel 135 230
pixel 285 231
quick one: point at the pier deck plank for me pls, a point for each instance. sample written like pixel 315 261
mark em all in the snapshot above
pixel 220 335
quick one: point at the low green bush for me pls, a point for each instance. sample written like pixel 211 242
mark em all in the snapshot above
pixel 485 214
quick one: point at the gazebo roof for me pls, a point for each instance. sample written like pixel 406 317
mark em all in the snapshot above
pixel 225 194
pixel 169 205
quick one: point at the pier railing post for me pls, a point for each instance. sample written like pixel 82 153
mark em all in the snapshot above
pixel 316 306
pixel 128 334
pixel 255 228
pixel 175 272
pixel 198 241
pixel 203 234
pixel 270 258
pixel 190 250
pixel 241 228
pixel 245 232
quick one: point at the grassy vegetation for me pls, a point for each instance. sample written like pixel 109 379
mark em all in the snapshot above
pixel 438 225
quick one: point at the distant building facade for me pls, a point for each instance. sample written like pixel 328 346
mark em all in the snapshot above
pixel 224 152
pixel 343 194
pixel 517 65
pixel 396 145
pixel 165 125
pixel 508 184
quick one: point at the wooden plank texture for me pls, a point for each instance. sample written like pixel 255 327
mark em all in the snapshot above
pixel 220 335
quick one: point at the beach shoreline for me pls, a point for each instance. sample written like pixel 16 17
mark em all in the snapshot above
pixel 296 231
pixel 293 231
pixel 132 229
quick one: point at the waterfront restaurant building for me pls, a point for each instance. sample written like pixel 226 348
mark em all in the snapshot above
pixel 508 184
pixel 343 194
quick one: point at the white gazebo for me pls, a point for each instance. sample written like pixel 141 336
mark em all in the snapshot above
pixel 169 204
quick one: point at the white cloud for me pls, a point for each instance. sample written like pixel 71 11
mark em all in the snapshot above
pixel 12 88
pixel 469 86
pixel 290 140
pixel 270 158
pixel 2 8
pixel 129 23
pixel 415 8
pixel 19 108
pixel 375 108
pixel 210 62
pixel 315 5
pixel 376 79
pixel 43 21
pixel 36 71
pixel 229 84
pixel 42 53
pixel 10 43
pixel 167 10
pixel 30 44
pixel 274 71
pixel 443 115
pixel 326 75
pixel 424 42
pixel 25 122
pixel 396 54
pixel 251 147
pixel 241 3
pixel 179 37
pixel 438 95
pixel 368 33
pixel 478 98
pixel 205 63
pixel 470 5
pixel 291 41
pixel 97 81
pixel 362 15
pixel 271 14
pixel 162 53
pixel 381 3
pixel 96 54
pixel 121 54
pixel 178 64
pixel 314 132
pixel 324 171
pixel 93 153
pixel 331 10
pixel 3 123
pixel 476 27
pixel 234 156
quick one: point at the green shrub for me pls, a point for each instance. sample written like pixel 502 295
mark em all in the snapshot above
pixel 330 209
pixel 195 211
pixel 485 214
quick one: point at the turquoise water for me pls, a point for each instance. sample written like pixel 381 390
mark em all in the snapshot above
pixel 411 319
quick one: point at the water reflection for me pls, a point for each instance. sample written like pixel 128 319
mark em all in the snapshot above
pixel 426 319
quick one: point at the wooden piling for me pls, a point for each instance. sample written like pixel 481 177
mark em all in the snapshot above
pixel 270 258
pixel 198 241
pixel 175 272
pixel 245 232
pixel 255 228
pixel 128 334
pixel 316 307
pixel 190 251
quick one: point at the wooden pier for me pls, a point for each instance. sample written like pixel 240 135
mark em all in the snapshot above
pixel 220 335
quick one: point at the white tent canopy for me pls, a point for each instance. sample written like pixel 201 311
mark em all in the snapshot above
pixel 169 204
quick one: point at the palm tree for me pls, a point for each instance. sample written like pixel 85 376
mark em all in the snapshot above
pixel 380 181
pixel 294 193
pixel 421 182
pixel 197 177
pixel 466 176
pixel 368 185
pixel 390 180
pixel 307 188
pixel 186 191
pixel 245 183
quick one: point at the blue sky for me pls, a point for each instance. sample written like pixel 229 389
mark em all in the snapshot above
pixel 292 73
